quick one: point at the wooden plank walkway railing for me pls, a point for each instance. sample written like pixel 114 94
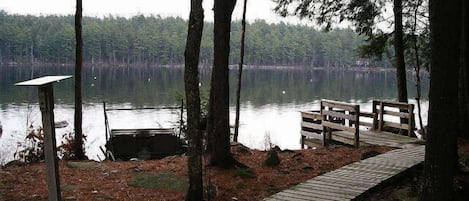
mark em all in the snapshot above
pixel 353 181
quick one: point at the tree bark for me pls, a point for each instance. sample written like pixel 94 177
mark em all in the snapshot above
pixel 191 83
pixel 218 127
pixel 399 53
pixel 464 75
pixel 78 142
pixel 441 147
pixel 240 72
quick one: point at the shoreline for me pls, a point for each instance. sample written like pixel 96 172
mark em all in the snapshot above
pixel 209 66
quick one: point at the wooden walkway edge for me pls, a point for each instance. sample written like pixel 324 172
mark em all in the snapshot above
pixel 353 181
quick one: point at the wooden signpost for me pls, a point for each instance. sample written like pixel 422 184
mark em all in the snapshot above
pixel 46 104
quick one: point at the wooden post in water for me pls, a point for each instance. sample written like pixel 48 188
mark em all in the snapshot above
pixel 46 105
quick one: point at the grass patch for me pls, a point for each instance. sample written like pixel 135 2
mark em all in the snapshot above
pixel 164 180
pixel 240 185
pixel 84 165
pixel 244 173
pixel 464 159
pixel 67 187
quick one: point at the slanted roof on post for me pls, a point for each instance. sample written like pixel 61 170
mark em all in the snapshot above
pixel 43 80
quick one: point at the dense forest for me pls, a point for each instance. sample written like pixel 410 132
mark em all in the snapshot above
pixel 153 40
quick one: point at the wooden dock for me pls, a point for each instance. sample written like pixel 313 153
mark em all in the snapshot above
pixel 382 138
pixel 344 122
pixel 354 181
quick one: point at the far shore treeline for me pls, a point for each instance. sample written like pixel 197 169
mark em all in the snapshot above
pixel 152 40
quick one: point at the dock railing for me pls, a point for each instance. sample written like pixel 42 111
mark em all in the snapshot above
pixel 403 111
pixel 347 122
pixel 110 133
pixel 340 116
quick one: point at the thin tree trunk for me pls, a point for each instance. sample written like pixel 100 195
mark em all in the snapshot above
pixel 417 69
pixel 441 147
pixel 240 72
pixel 78 145
pixel 218 127
pixel 191 83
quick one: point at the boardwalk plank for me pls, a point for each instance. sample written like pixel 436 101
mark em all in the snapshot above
pixel 318 195
pixel 296 195
pixel 282 197
pixel 358 176
pixel 317 185
pixel 329 192
pixel 334 185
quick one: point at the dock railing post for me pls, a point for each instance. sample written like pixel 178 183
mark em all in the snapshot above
pixel 46 105
pixel 324 128
pixel 411 120
pixel 381 116
pixel 357 126
pixel 375 115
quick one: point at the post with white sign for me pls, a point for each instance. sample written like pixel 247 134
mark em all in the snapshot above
pixel 46 104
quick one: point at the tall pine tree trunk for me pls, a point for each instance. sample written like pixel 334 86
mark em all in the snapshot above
pixel 441 147
pixel 240 72
pixel 78 144
pixel 399 61
pixel 191 83
pixel 218 127
pixel 399 53
pixel 464 74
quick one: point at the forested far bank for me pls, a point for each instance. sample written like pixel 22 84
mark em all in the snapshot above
pixel 152 40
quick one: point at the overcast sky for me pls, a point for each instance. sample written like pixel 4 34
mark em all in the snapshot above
pixel 257 9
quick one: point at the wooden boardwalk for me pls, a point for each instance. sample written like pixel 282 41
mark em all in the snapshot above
pixel 353 181
pixel 377 138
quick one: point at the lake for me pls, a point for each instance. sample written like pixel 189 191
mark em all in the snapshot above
pixel 271 99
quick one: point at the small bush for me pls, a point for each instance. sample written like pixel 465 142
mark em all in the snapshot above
pixel 272 158
pixel 32 150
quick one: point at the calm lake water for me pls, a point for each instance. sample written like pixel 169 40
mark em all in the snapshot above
pixel 271 99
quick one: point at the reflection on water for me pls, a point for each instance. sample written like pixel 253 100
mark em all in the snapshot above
pixel 271 100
